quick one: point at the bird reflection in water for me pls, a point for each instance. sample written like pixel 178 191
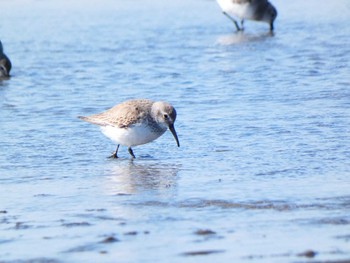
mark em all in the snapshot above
pixel 241 37
pixel 130 177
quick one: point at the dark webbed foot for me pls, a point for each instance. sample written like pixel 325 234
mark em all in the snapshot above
pixel 131 152
pixel 115 154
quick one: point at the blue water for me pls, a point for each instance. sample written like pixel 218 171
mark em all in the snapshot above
pixel 262 174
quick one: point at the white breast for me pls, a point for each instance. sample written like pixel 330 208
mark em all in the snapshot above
pixel 136 135
pixel 238 10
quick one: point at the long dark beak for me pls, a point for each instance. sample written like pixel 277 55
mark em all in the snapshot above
pixel 172 129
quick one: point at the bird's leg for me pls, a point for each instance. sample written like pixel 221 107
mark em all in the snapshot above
pixel 233 20
pixel 131 152
pixel 271 27
pixel 115 154
pixel 242 24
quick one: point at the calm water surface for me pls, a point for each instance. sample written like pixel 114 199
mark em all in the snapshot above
pixel 262 174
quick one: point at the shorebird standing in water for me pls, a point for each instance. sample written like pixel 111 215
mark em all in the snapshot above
pixel 135 122
pixel 5 63
pixel 258 10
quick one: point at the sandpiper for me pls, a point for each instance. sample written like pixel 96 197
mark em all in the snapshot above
pixel 135 122
pixel 258 10
pixel 5 63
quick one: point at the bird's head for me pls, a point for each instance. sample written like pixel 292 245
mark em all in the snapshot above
pixel 166 116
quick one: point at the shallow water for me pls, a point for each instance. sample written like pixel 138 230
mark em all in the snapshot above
pixel 262 174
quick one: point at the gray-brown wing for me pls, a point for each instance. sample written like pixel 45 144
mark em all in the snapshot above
pixel 122 115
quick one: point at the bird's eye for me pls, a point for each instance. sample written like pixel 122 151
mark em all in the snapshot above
pixel 166 116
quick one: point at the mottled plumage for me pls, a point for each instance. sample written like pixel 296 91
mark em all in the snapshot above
pixel 135 122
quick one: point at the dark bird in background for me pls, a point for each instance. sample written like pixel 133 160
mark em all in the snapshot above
pixel 257 10
pixel 5 63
